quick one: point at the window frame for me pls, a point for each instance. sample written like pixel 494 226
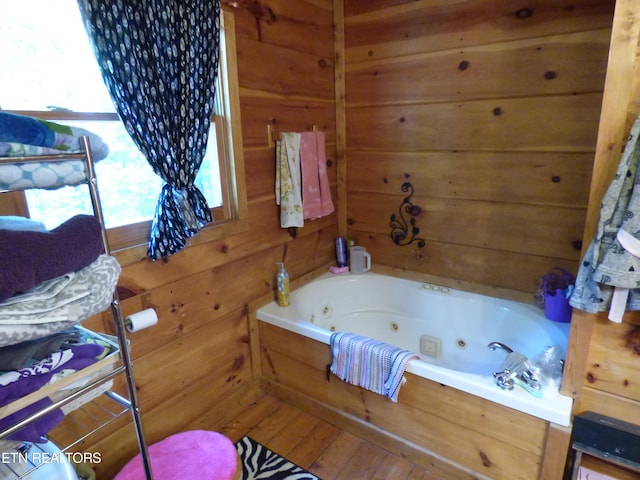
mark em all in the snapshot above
pixel 129 242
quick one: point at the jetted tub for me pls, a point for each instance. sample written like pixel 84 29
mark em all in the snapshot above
pixel 449 329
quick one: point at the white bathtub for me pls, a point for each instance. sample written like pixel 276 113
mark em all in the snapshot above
pixel 400 312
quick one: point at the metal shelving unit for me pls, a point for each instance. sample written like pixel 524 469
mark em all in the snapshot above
pixel 122 365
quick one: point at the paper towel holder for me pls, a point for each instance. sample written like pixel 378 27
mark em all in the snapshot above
pixel 145 301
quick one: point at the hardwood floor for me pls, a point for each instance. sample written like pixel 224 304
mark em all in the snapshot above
pixel 318 446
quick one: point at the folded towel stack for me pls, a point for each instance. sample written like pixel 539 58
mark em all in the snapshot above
pixel 54 279
pixel 369 363
pixel 59 303
pixel 28 258
pixel 35 132
pixel 22 136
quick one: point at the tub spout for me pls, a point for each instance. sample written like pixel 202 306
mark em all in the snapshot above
pixel 501 346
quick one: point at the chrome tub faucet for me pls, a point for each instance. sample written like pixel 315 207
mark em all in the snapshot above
pixel 516 368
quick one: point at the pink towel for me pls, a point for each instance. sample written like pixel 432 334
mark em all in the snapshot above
pixel 316 196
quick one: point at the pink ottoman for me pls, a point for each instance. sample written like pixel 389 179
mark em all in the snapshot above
pixel 192 454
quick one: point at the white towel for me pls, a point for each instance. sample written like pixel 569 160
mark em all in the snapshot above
pixel 288 180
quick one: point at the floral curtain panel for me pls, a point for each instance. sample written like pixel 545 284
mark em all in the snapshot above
pixel 159 60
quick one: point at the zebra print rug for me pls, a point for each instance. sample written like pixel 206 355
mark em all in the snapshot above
pixel 258 463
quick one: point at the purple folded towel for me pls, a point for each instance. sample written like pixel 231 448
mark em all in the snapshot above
pixel 19 383
pixel 30 258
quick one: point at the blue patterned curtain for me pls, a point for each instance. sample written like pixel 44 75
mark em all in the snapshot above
pixel 159 60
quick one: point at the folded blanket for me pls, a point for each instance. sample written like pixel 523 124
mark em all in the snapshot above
pixel 17 384
pixel 26 136
pixel 26 130
pixel 36 431
pixel 88 292
pixel 9 222
pixel 25 354
pixel 44 298
pixel 30 258
pixel 369 363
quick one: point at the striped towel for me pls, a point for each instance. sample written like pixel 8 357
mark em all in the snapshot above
pixel 369 363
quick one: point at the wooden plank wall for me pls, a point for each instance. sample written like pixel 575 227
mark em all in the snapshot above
pixel 604 358
pixel 490 110
pixel 195 368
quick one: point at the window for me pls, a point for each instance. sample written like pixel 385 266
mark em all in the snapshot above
pixel 49 71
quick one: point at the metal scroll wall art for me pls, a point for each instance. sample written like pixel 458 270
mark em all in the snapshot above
pixel 403 225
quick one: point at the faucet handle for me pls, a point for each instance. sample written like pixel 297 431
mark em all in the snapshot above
pixel 529 377
pixel 504 379
pixel 515 361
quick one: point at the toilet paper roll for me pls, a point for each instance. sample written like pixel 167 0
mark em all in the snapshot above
pixel 140 320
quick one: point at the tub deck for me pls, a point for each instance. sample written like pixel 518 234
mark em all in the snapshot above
pixel 315 311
